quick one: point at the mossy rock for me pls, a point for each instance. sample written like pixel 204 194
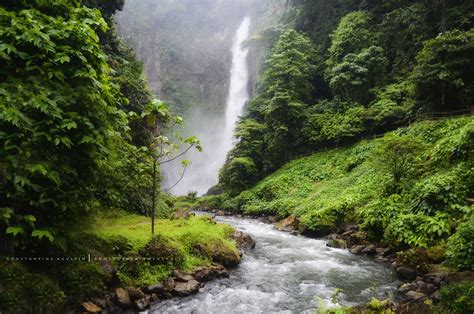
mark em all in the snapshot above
pixel 162 251
pixel 218 252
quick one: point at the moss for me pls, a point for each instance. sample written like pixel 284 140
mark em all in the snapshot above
pixel 26 292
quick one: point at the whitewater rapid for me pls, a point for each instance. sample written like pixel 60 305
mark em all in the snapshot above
pixel 287 274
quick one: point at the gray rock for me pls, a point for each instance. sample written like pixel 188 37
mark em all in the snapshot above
pixel 143 303
pixel 415 295
pixel 185 288
pixel 370 250
pixel 135 294
pixel 122 297
pixel 406 272
pixel 203 274
pixel 182 276
pixel 357 249
pixel 158 289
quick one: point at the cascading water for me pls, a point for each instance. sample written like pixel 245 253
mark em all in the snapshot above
pixel 286 274
pixel 216 137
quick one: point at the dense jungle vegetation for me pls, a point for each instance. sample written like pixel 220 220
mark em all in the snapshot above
pixel 78 134
pixel 351 121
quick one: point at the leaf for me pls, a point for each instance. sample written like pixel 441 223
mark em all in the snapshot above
pixel 42 233
pixel 15 230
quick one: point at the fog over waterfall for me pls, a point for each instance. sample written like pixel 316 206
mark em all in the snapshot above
pixel 202 174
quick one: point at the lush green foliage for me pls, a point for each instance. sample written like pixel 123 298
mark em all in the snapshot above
pixel 403 187
pixel 383 65
pixel 458 297
pixel 73 131
pixel 461 246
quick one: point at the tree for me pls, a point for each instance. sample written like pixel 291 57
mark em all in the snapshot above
pixel 58 116
pixel 162 150
pixel 444 74
pixel 353 34
pixel 357 74
pixel 398 154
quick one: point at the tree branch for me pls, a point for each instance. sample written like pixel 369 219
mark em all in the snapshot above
pixel 180 178
pixel 177 156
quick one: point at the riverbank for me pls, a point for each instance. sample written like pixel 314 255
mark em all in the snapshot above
pixel 114 265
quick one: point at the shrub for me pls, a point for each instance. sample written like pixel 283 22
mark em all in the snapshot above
pixel 460 252
pixel 458 297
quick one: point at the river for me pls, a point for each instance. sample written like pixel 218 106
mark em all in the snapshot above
pixel 287 274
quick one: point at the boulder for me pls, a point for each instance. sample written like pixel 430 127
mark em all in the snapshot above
pixel 90 307
pixel 122 297
pixel 158 289
pixel 181 276
pixel 243 240
pixel 168 284
pixel 143 303
pixel 220 213
pixel 358 237
pixel 288 224
pixel 135 294
pixel 180 214
pixel 406 272
pixel 404 288
pixel 357 249
pixel 415 295
pixel 185 288
pixel 203 274
pixel 369 250
pixel 337 243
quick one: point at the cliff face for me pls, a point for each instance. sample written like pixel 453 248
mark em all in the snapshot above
pixel 185 46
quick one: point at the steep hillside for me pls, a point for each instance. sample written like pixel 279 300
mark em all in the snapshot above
pixel 411 187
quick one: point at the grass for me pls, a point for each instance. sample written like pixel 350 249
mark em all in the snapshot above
pixel 181 236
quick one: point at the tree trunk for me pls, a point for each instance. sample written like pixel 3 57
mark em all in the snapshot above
pixel 153 201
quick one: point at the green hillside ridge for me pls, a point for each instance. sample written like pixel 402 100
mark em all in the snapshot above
pixel 411 187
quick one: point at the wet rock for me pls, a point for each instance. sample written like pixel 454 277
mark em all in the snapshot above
pixel 357 249
pixel 404 288
pixel 288 224
pixel 109 302
pixel 122 297
pixel 158 289
pixel 436 277
pixel 154 297
pixel 169 284
pixel 243 240
pixel 358 237
pixel 337 243
pixel 220 213
pixel 135 294
pixel 185 288
pixel 369 250
pixel 203 274
pixel 415 295
pixel 90 307
pixel 428 289
pixel 406 272
pixel 181 276
pixel 143 303
pixel 181 214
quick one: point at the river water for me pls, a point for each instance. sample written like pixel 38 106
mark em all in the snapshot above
pixel 287 274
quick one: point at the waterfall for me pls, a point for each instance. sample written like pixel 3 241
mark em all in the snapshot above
pixel 216 136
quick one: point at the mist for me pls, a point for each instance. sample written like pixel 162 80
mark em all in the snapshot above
pixel 196 59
